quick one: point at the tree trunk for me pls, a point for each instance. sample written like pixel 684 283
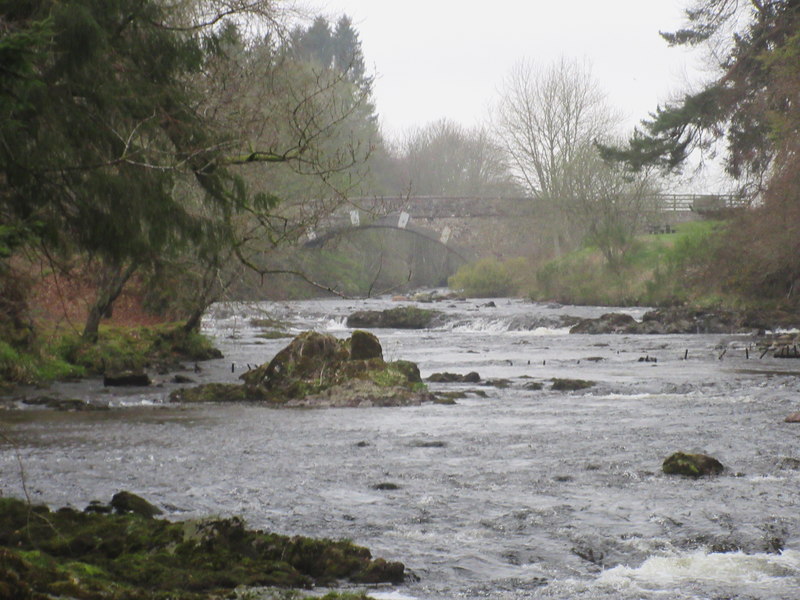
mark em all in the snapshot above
pixel 112 282
pixel 193 322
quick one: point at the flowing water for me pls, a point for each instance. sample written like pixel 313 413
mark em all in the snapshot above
pixel 511 493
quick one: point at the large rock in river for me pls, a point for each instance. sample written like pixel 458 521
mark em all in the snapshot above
pixel 691 465
pixel 402 317
pixel 317 369
pixel 607 323
pixel 673 320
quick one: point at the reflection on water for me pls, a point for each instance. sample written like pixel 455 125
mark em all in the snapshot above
pixel 521 494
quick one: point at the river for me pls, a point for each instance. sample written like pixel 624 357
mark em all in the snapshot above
pixel 512 493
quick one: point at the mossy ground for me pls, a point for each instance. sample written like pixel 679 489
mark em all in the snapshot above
pixel 127 557
pixel 67 356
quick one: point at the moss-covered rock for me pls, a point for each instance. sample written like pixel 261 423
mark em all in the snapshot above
pixel 129 377
pixel 364 345
pixel 570 385
pixel 64 404
pixel 402 317
pixel 471 377
pixel 691 465
pixel 216 392
pixel 319 370
pixel 129 503
pixel 125 557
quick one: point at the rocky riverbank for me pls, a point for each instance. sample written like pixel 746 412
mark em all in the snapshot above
pixel 127 555
pixel 683 320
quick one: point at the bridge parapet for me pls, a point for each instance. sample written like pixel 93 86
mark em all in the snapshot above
pixel 491 226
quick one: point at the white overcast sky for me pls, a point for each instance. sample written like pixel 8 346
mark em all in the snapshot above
pixel 447 58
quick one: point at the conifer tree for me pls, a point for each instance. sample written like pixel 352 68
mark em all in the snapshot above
pixel 751 107
pixel 111 149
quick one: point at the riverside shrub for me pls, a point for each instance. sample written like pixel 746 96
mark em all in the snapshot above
pixel 489 278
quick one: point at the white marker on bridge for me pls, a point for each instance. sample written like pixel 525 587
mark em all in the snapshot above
pixel 403 220
pixel 355 218
pixel 445 234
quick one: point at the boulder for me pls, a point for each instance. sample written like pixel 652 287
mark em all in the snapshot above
pixel 65 404
pixel 319 370
pixel 126 378
pixel 570 385
pixel 94 555
pixel 409 369
pixel 362 393
pixel 607 323
pixel 471 377
pixel 381 570
pixel 216 392
pixel 691 465
pixel 127 502
pixel 364 345
pixel 402 317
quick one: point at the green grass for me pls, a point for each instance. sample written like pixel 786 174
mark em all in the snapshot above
pixel 34 366
pixel 657 270
pixel 67 356
pixel 490 278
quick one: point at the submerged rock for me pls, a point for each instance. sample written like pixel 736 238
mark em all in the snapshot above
pixel 471 377
pixel 216 392
pixel 385 486
pixel 691 465
pixel 570 385
pixel 607 323
pixel 63 404
pixel 402 317
pixel 126 378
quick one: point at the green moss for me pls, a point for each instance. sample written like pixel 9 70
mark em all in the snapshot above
pixel 126 348
pixel 388 377
pixel 570 385
pixel 216 392
pixel 691 465
pixel 315 362
pixel 88 555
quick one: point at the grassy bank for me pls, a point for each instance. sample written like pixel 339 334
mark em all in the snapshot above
pixel 658 270
pixel 64 355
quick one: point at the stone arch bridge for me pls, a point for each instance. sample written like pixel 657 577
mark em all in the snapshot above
pixel 473 227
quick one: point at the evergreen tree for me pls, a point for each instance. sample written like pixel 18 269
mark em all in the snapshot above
pixel 752 106
pixel 747 105
pixel 315 43
pixel 117 143
pixel 347 54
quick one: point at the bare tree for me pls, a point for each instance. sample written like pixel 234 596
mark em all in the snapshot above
pixel 545 120
pixel 608 202
pixel 444 158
